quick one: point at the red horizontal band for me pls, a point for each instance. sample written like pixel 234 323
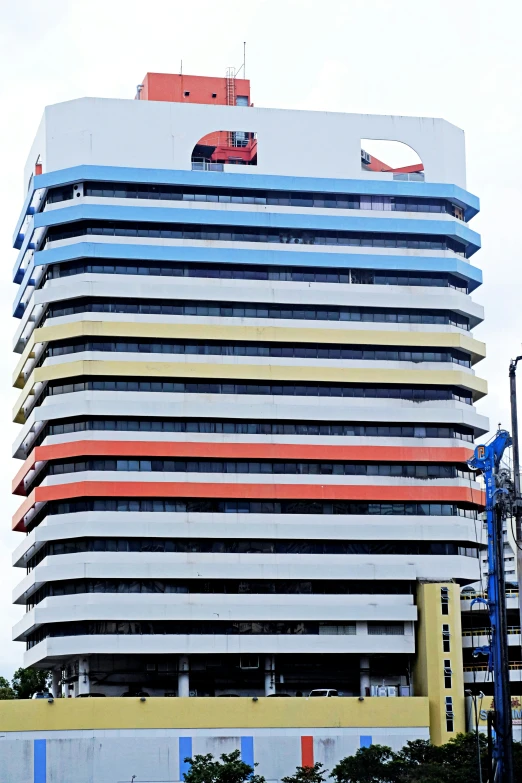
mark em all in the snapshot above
pixel 164 489
pixel 287 451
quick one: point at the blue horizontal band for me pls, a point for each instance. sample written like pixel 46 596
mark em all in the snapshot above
pixel 273 257
pixel 453 228
pixel 467 201
pixel 238 179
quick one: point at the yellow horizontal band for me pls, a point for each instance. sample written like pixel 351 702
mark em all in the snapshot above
pixel 256 372
pixel 185 331
pixel 211 713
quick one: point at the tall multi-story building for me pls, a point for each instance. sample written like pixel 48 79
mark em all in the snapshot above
pixel 247 400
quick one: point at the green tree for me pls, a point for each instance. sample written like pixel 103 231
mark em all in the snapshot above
pixel 459 757
pixel 27 681
pixel 6 692
pixel 421 762
pixel 315 774
pixel 376 764
pixel 230 769
pixel 417 762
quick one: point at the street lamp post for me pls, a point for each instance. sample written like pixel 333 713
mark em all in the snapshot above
pixel 475 697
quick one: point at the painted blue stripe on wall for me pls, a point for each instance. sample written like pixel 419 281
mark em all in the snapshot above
pixel 459 196
pixel 40 761
pixel 205 254
pixel 247 750
pixel 274 257
pixel 398 225
pixel 277 257
pixel 365 740
pixel 185 751
pixel 254 180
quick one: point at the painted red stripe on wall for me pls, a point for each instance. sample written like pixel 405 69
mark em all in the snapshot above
pixel 289 451
pixel 307 751
pixel 153 489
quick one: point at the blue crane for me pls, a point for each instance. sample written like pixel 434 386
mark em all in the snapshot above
pixel 499 491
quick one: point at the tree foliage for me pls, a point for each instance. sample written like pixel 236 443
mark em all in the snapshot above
pixel 6 692
pixel 418 762
pixel 229 769
pixel 27 681
pixel 375 764
pixel 315 774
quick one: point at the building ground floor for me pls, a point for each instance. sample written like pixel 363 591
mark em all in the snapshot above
pixel 250 674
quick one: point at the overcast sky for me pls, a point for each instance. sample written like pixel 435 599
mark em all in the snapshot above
pixel 456 60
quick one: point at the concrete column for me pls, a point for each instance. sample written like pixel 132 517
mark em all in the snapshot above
pixel 56 687
pixel 84 681
pixel 183 676
pixel 364 670
pixel 270 682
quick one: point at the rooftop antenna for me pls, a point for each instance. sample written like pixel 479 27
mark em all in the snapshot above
pixel 243 66
pixel 181 68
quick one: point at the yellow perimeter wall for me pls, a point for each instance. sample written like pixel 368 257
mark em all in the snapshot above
pixel 195 713
pixel 429 666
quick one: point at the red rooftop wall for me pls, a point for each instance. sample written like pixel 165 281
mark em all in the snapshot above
pixel 173 86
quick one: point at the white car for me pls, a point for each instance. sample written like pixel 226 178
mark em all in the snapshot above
pixel 324 692
pixel 42 695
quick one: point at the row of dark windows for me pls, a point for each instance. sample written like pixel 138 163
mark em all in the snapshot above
pixel 259 310
pixel 251 272
pixel 240 427
pixel 276 198
pixel 253 234
pixel 295 547
pixel 257 349
pixel 279 467
pixel 214 506
pixel 199 586
pixel 246 547
pixel 218 586
pixel 182 386
pixel 209 627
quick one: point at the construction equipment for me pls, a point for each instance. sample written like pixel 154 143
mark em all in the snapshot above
pixel 517 500
pixel 499 494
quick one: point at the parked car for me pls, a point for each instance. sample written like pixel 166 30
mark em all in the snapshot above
pixel 42 695
pixel 324 692
pixel 135 693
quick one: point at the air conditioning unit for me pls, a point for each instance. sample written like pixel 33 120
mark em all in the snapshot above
pixel 365 157
pixel 249 662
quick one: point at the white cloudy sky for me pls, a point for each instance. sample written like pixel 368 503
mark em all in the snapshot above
pixel 457 60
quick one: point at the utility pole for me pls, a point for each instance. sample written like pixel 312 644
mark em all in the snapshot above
pixel 517 500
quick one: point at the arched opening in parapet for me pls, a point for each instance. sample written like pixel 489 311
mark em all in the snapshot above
pixel 393 157
pixel 225 148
